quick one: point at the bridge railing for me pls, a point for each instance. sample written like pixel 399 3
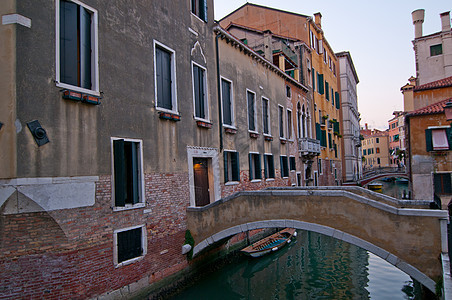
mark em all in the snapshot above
pixel 376 171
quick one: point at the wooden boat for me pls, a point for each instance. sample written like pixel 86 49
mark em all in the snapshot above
pixel 375 186
pixel 270 243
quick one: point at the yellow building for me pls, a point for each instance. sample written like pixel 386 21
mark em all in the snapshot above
pixel 375 148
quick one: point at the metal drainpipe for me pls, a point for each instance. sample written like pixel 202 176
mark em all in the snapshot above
pixel 220 113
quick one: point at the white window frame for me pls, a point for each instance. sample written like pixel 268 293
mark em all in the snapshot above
pixel 94 56
pixel 141 182
pixel 254 168
pixel 255 112
pixel 143 244
pixel 231 182
pixel 269 118
pixel 233 126
pixel 173 76
pixel 206 93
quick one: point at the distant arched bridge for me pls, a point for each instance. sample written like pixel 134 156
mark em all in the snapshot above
pixel 403 232
pixel 378 173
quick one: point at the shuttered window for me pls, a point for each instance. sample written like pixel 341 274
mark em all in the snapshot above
pixel 77 52
pixel 327 91
pixel 269 166
pixel 265 116
pixel 127 174
pixel 231 166
pixel 129 244
pixel 255 168
pixel 336 96
pixel 199 87
pixel 323 138
pixel 164 80
pixel 292 163
pixel 442 183
pixel 320 84
pixel 226 96
pixel 199 8
pixel 284 166
pixel 313 79
pixel 438 139
pixel 251 111
pixel 281 121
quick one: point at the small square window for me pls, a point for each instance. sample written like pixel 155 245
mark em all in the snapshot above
pixel 130 244
pixel 436 50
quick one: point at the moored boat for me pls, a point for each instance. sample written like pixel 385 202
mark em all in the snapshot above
pixel 271 243
pixel 375 186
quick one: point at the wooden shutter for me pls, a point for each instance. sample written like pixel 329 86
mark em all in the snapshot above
pixel 227 109
pixel 198 82
pixel 449 137
pixel 135 176
pixel 271 165
pixel 203 10
pixel 225 162
pixel 266 166
pixel 85 48
pixel 338 104
pixel 327 90
pixel 313 79
pixel 258 167
pixel 119 172
pixel 235 166
pixel 428 140
pixel 164 82
pixel 251 122
pixel 68 43
pixel 318 131
pixel 330 143
pixel 250 162
pixel 323 138
pixel 265 115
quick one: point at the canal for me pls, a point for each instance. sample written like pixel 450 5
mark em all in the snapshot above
pixel 313 266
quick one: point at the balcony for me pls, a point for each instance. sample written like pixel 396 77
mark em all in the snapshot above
pixel 308 146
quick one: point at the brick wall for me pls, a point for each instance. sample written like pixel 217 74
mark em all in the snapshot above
pixel 69 253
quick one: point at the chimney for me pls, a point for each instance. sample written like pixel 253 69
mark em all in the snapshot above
pixel 412 81
pixel 418 19
pixel 366 126
pixel 445 21
pixel 318 19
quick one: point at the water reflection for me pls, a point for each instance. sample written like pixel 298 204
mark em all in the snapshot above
pixel 314 266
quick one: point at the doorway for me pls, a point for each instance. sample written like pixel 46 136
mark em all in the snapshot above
pixel 201 181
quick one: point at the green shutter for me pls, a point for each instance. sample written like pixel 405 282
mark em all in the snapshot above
pixel 250 157
pixel 327 90
pixel 313 79
pixel 323 138
pixel 428 140
pixel 135 174
pixel 330 141
pixel 318 131
pixel 449 137
pixel 225 162
pixel 321 84
pixel 265 166
pixel 119 172
pixel 338 105
pixel 258 166
pixel 235 166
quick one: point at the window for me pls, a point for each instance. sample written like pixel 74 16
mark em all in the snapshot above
pixel 130 244
pixel 231 166
pixel 265 116
pixel 313 79
pixel 288 92
pixel 228 107
pixel 327 90
pixel 284 166
pixel 377 140
pixel 292 163
pixel 250 96
pixel 289 124
pixel 436 50
pixel 127 173
pixel 336 96
pixel 77 54
pixel 320 84
pixel 165 84
pixel 199 8
pixel 319 163
pixel 200 92
pixel 438 139
pixel 364 152
pixel 255 166
pixel 442 183
pixel 378 160
pixel 281 121
pixel 377 150
pixel 269 166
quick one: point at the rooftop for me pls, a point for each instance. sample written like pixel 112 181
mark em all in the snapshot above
pixel 445 82
pixel 435 108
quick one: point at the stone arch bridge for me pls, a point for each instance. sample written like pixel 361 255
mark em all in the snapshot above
pixel 403 232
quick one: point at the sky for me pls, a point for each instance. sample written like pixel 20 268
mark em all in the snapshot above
pixel 378 35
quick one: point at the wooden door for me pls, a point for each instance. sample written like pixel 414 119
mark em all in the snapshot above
pixel 201 178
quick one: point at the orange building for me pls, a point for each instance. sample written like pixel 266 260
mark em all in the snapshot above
pixel 321 78
pixel 375 147
pixel 394 140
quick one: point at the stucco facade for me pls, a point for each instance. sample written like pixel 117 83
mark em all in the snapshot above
pixel 375 147
pixel 351 152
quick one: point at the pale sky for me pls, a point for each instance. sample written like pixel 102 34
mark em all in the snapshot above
pixel 378 35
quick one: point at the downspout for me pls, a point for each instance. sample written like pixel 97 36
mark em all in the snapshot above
pixel 220 112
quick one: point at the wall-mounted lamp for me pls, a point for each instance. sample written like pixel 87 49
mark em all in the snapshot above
pixel 39 133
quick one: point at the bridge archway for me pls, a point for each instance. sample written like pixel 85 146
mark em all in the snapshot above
pixel 328 231
pixel 382 176
pixel 405 233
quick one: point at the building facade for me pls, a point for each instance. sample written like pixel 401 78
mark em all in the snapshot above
pixel 114 119
pixel 352 154
pixel 433 52
pixel 375 147
pixel 322 70
pixel 395 159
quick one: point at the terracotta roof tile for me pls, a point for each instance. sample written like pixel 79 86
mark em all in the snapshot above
pixel 435 108
pixel 445 82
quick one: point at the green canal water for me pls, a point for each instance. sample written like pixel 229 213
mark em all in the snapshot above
pixel 313 266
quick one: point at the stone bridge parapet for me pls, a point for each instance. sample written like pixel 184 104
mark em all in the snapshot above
pixel 403 232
